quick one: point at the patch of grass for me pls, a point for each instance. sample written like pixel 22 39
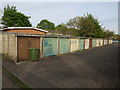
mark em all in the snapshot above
pixel 15 80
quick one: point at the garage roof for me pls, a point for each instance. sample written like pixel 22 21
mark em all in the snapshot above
pixel 9 28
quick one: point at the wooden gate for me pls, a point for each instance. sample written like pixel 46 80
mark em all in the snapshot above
pixel 23 44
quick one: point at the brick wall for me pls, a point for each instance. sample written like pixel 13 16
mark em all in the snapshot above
pixel 30 31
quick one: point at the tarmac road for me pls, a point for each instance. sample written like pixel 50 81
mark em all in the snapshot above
pixel 93 68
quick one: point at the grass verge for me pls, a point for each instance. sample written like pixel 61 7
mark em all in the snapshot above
pixel 15 80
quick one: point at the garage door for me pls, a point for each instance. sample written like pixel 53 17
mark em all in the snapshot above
pixel 81 44
pixel 94 42
pixel 50 46
pixel 90 43
pixel 74 45
pixel 86 43
pixel 64 45
pixel 24 43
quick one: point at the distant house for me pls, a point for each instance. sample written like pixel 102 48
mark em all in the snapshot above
pixel 27 30
pixel 53 32
pixel 56 32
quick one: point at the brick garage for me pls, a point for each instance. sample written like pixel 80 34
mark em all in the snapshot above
pixel 28 30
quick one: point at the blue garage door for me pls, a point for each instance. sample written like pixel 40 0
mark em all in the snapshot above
pixel 50 46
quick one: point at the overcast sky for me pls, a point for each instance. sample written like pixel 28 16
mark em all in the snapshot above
pixel 61 12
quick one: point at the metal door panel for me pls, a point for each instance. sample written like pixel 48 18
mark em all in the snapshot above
pixel 23 52
pixel 81 44
pixel 24 43
pixel 63 45
pixel 90 43
pixel 94 42
pixel 97 43
pixel 74 45
pixel 50 46
pixel 86 43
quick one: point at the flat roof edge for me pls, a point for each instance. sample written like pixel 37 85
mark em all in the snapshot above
pixel 9 28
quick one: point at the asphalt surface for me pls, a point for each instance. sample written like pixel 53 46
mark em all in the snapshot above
pixel 93 68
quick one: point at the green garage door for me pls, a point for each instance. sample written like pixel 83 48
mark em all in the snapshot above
pixel 50 46
pixel 63 45
pixel 81 44
pixel 94 42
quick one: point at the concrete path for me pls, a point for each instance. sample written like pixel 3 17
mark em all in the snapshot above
pixel 93 68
